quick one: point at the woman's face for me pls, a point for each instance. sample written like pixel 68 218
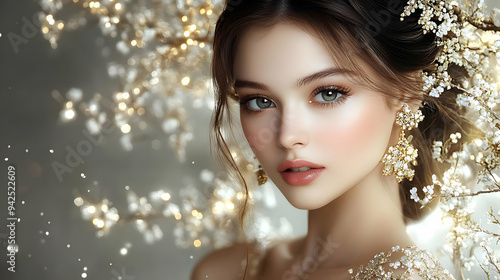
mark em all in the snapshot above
pixel 297 104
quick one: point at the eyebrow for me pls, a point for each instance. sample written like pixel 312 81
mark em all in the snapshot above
pixel 300 82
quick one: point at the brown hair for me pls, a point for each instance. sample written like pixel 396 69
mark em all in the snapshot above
pixel 352 31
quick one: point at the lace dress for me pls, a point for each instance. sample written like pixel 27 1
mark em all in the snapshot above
pixel 415 263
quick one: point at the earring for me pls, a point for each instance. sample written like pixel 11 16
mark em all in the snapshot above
pixel 398 158
pixel 261 176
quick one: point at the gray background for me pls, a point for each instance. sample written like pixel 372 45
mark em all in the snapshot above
pixel 29 119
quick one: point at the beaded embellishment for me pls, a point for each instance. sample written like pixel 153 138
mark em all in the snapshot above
pixel 415 261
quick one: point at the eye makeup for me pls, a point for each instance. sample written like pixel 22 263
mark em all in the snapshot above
pixel 341 95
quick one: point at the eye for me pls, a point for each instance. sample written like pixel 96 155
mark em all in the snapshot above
pixel 259 103
pixel 327 95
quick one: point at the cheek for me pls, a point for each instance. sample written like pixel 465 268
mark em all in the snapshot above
pixel 260 131
pixel 358 132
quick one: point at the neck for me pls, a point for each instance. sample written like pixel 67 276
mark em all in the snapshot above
pixel 364 221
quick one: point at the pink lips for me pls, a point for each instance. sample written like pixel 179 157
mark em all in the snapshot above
pixel 296 178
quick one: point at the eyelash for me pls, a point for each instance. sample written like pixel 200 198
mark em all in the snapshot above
pixel 339 100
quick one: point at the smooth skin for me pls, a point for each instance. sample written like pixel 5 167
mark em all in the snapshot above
pixel 298 104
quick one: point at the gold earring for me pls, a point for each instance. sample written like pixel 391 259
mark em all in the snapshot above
pixel 261 176
pixel 398 158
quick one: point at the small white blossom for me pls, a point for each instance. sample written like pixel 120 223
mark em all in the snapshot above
pixel 414 195
pixel 429 190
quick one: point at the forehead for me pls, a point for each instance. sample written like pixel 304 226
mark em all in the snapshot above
pixel 279 53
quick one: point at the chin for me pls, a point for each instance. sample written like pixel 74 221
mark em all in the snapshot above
pixel 314 196
pixel 303 201
pixel 306 206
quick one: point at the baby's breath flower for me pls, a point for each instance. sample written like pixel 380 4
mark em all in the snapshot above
pixel 414 194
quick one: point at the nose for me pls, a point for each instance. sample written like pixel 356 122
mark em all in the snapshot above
pixel 292 131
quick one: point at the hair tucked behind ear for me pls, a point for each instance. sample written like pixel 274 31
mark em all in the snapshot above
pixel 443 117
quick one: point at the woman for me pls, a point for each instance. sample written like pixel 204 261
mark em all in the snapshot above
pixel 328 94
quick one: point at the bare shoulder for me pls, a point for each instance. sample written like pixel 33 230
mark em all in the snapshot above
pixel 229 262
pixel 221 264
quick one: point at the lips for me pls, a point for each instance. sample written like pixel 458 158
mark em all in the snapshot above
pixel 299 172
pixel 289 164
pixel 298 169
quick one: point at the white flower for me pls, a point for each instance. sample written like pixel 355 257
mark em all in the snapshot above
pixel 429 190
pixel 444 27
pixel 435 92
pixel 414 195
pixel 436 150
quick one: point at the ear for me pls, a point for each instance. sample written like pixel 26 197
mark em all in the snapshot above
pixel 413 103
pixel 409 98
